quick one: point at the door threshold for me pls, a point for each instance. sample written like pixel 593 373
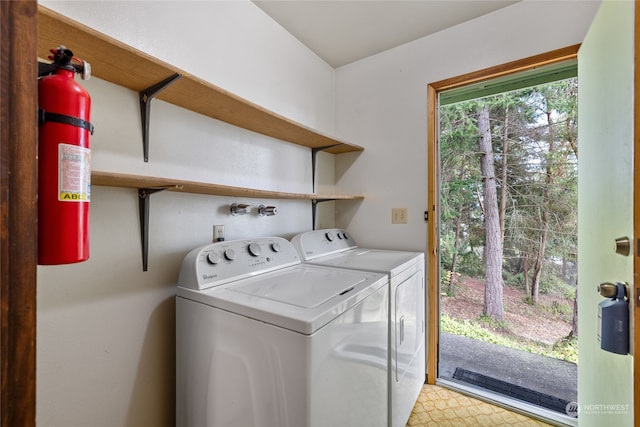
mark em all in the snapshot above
pixel 521 407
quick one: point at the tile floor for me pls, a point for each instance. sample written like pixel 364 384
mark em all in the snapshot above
pixel 438 406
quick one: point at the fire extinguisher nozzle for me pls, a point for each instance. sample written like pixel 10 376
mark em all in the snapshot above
pixel 61 56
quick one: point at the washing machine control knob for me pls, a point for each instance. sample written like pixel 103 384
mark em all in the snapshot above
pixel 213 258
pixel 230 254
pixel 254 249
pixel 328 236
pixel 275 247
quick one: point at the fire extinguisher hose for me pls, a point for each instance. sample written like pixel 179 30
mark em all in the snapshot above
pixel 46 116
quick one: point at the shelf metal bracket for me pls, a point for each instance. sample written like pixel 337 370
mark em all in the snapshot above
pixel 314 209
pixel 144 196
pixel 146 96
pixel 314 156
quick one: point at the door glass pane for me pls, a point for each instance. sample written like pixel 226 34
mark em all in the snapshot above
pixel 508 244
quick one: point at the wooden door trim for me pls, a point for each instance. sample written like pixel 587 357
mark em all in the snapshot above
pixel 433 89
pixel 18 212
pixel 635 345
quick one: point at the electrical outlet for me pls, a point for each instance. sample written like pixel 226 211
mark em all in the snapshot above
pixel 399 216
pixel 218 233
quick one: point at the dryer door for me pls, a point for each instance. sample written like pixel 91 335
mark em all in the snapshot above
pixel 407 340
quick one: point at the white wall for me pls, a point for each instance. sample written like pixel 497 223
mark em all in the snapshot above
pixel 105 328
pixel 605 206
pixel 381 104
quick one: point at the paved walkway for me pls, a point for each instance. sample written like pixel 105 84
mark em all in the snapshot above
pixel 533 371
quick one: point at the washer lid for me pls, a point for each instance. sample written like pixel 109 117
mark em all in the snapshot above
pixel 378 260
pixel 306 288
pixel 302 298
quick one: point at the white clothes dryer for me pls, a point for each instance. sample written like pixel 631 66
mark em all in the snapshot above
pixel 265 340
pixel 405 272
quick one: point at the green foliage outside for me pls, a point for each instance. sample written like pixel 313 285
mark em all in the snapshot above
pixel 534 138
pixel 566 349
pixel 535 149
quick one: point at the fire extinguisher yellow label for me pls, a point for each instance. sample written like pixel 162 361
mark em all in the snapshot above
pixel 74 173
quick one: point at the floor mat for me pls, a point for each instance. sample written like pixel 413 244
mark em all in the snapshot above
pixel 439 406
pixel 515 391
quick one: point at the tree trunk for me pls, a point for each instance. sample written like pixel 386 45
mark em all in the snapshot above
pixel 574 328
pixel 544 220
pixel 525 272
pixel 493 244
pixel 503 183
pixel 454 257
pixel 539 263
pixel 456 234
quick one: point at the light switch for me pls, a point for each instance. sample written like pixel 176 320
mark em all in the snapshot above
pixel 399 216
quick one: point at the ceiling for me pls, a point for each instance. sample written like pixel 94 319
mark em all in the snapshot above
pixel 344 31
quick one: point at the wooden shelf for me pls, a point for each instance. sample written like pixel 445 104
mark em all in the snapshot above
pixel 118 63
pixel 147 186
pixel 138 182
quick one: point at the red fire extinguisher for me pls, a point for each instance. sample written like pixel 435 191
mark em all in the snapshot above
pixel 64 161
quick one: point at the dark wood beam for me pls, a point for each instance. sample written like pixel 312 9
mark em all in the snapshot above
pixel 18 212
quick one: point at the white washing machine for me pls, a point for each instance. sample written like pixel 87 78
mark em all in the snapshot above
pixel 265 340
pixel 405 272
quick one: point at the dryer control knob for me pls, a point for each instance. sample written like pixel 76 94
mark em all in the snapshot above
pixel 275 247
pixel 230 254
pixel 213 258
pixel 328 236
pixel 254 249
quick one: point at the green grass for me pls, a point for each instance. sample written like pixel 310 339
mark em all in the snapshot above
pixel 566 349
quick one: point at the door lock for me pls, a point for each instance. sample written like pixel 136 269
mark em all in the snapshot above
pixel 623 246
pixel 610 290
